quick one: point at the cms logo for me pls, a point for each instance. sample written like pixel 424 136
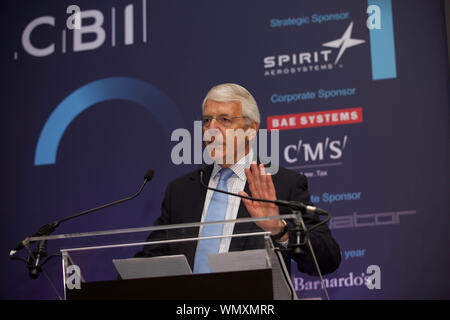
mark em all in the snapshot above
pixel 328 149
pixel 93 29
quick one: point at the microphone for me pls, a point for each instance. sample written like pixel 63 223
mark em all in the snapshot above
pixel 315 210
pixel 50 227
pixel 34 269
pixel 294 205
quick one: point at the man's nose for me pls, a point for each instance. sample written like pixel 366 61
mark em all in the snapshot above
pixel 213 124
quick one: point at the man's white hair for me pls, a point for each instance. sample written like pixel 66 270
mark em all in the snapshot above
pixel 227 92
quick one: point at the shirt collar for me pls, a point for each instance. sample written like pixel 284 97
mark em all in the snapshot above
pixel 238 167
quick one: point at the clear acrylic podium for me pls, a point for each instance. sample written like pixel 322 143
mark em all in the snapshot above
pixel 157 262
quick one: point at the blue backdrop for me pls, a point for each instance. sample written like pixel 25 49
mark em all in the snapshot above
pixel 87 112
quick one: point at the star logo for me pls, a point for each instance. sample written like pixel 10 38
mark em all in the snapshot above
pixel 344 42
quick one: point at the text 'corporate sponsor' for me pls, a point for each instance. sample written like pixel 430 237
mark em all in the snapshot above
pixel 311 95
pixel 315 119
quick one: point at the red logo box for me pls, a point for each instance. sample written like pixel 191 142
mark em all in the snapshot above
pixel 315 119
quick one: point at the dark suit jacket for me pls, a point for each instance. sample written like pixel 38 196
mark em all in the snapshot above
pixel 183 203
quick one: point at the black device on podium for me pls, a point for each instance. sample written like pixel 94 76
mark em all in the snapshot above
pixel 237 285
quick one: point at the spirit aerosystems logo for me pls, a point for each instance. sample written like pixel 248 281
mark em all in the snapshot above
pixel 332 52
pixel 343 43
pixel 314 60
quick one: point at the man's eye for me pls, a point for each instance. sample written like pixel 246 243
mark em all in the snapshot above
pixel 225 119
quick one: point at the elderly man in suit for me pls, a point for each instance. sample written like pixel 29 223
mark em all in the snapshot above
pixel 228 108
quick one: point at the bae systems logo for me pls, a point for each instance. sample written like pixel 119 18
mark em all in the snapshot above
pixel 311 61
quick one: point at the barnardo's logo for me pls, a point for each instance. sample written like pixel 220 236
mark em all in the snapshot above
pixel 371 279
pixel 313 60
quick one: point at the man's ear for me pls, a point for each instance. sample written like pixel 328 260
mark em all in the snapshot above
pixel 254 125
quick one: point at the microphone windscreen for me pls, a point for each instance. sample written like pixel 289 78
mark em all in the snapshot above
pixel 149 175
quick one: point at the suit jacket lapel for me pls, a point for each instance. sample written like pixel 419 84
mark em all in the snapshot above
pixel 242 212
pixel 200 201
pixel 239 243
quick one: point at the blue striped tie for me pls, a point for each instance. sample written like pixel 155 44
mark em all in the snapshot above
pixel 216 211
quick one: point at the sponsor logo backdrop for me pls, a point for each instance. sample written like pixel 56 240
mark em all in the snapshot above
pixel 362 112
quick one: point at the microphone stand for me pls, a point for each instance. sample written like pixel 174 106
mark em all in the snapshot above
pixel 34 258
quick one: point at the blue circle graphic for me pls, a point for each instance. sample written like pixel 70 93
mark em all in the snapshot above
pixel 140 92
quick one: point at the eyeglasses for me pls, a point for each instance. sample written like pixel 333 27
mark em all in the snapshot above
pixel 223 120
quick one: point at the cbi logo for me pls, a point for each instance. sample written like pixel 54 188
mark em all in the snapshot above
pixel 94 29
